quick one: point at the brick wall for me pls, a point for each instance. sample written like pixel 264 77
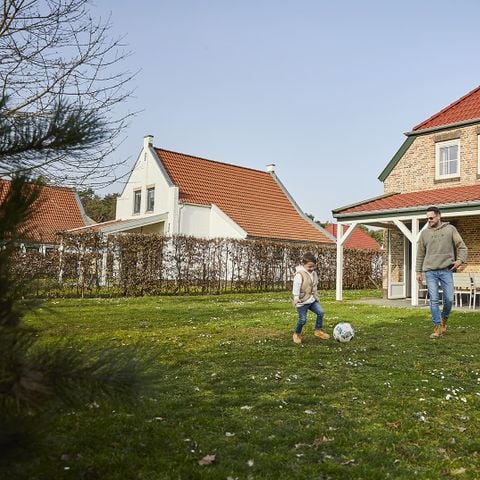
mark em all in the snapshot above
pixel 395 241
pixel 469 229
pixel 416 169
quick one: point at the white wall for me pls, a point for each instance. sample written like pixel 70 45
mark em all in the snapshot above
pixel 195 220
pixel 208 222
pixel 153 228
pixel 221 225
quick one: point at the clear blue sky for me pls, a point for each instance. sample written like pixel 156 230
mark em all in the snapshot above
pixel 323 89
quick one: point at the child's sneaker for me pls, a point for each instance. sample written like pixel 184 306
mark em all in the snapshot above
pixel 321 334
pixel 443 325
pixel 297 338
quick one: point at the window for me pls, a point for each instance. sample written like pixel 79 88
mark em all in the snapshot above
pixel 150 199
pixel 478 154
pixel 137 201
pixel 447 159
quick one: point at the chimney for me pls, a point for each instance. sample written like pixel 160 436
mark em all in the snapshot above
pixel 147 141
pixel 271 168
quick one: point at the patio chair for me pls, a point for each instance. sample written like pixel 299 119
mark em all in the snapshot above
pixel 423 292
pixel 475 288
pixel 462 285
pixel 423 289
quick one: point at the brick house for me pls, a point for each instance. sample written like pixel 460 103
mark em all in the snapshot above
pixel 175 193
pixel 438 164
pixel 57 209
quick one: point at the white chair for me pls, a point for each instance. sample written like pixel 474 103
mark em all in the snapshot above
pixel 423 288
pixel 423 291
pixel 475 288
pixel 462 285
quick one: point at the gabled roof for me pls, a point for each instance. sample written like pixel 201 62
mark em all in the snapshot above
pixel 357 239
pixel 397 202
pixel 464 109
pixel 55 210
pixel 255 200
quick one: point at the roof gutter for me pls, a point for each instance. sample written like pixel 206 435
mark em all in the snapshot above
pixel 420 209
pixel 385 195
pixel 438 128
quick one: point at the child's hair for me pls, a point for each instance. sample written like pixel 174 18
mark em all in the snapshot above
pixel 308 257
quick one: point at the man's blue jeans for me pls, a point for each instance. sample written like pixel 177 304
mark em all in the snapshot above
pixel 444 277
pixel 316 308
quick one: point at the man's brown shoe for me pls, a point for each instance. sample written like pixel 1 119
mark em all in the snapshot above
pixel 437 331
pixel 321 334
pixel 443 325
pixel 297 338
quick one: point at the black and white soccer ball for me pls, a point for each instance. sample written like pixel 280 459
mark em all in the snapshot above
pixel 343 332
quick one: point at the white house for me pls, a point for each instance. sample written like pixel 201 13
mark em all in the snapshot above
pixel 175 193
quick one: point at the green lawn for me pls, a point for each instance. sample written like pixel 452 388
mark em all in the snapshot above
pixel 390 404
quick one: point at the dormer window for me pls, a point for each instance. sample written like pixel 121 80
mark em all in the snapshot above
pixel 150 199
pixel 137 201
pixel 447 159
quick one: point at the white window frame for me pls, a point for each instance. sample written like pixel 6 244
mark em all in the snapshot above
pixel 135 211
pixel 478 153
pixel 438 147
pixel 147 209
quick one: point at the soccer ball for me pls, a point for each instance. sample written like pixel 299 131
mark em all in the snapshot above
pixel 343 332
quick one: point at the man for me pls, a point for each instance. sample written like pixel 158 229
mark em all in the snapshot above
pixel 440 252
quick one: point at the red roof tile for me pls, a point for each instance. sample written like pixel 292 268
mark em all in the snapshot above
pixel 55 210
pixel 252 198
pixel 465 108
pixel 424 198
pixel 357 239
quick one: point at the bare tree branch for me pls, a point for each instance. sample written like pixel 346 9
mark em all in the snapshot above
pixel 52 54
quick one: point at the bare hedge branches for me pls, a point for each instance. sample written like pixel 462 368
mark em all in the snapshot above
pixel 150 264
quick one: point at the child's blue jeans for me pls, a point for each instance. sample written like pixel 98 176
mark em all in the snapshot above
pixel 316 308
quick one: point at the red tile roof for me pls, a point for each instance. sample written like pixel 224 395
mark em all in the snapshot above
pixel 424 198
pixel 357 239
pixel 465 108
pixel 55 210
pixel 252 198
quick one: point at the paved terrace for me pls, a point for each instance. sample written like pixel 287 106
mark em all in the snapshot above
pixel 407 303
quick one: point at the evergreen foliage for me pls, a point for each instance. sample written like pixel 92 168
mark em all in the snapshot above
pixel 100 209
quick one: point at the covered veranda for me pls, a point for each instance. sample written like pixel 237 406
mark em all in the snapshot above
pixel 403 217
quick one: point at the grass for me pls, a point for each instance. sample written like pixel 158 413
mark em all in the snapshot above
pixel 390 404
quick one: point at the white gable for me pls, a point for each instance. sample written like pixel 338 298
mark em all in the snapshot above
pixel 148 174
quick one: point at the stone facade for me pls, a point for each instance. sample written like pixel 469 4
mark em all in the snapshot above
pixel 416 169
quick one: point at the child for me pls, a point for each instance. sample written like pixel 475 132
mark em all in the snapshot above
pixel 305 297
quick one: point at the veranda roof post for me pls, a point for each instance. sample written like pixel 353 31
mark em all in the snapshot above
pixel 341 239
pixel 339 279
pixel 412 237
pixel 414 283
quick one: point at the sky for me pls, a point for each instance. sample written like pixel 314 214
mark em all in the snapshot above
pixel 325 90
